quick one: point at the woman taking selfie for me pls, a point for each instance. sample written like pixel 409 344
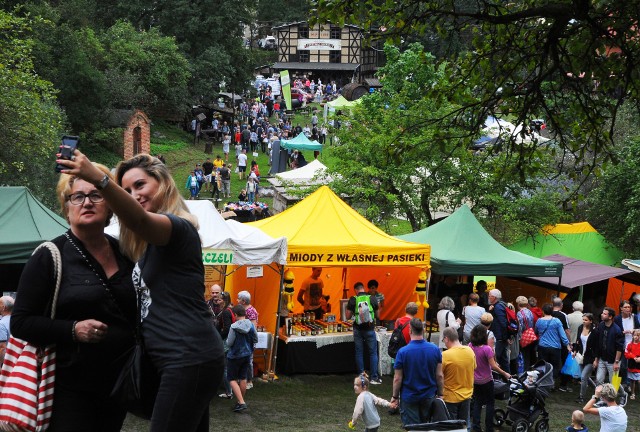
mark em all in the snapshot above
pixel 95 311
pixel 160 235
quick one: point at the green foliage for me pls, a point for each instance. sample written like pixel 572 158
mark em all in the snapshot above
pixel 573 65
pixel 614 205
pixel 31 120
pixel 155 72
pixel 400 154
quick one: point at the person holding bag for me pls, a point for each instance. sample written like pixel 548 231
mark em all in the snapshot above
pixel 527 337
pixel 95 315
pixel 585 352
pixel 161 236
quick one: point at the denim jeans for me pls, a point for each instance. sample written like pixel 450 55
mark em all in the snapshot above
pixel 415 412
pixel 459 410
pixel 368 337
pixel 587 369
pixel 604 368
pixel 483 395
pixel 183 398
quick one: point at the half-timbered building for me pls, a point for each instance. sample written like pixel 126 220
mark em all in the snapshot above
pixel 327 52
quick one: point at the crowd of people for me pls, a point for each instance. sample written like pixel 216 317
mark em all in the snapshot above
pixel 478 344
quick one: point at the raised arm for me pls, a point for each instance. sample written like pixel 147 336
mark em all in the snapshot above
pixel 154 228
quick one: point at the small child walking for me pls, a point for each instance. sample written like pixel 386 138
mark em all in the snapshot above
pixel 632 354
pixel 242 337
pixel 366 405
pixel 577 422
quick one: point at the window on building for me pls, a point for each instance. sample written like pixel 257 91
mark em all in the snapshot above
pixel 335 32
pixel 303 32
pixel 303 56
pixel 335 57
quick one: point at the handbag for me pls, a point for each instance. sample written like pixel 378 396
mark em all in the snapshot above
pixel 579 358
pixel 138 382
pixel 528 336
pixel 459 330
pixel 28 374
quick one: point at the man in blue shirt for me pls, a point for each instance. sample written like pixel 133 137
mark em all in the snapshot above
pixel 418 377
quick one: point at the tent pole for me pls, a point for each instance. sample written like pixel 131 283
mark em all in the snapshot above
pixel 559 285
pixel 273 358
pixel 580 296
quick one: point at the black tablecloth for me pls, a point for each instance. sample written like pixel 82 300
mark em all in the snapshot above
pixel 306 358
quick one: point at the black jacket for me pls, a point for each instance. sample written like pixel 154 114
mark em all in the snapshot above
pixel 590 353
pixel 614 342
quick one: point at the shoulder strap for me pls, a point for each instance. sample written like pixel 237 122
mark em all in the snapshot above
pixel 57 266
pixel 446 319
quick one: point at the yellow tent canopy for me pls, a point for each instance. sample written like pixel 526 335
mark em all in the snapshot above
pixel 324 231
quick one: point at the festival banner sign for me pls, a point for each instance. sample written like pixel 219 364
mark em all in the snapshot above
pixel 286 88
pixel 216 256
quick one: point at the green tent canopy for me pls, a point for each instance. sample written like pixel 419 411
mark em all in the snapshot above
pixel 301 142
pixel 24 223
pixel 577 240
pixel 341 102
pixel 461 246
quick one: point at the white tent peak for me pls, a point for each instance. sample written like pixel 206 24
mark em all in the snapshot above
pixel 250 245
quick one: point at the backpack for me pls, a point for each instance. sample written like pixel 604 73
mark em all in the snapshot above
pixel 397 340
pixel 512 321
pixel 364 310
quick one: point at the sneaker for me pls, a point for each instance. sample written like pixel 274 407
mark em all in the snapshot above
pixel 239 407
pixel 249 385
pixel 580 400
pixel 225 396
pixel 565 389
pixel 377 381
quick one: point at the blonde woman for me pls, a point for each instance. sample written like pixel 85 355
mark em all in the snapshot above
pixel 160 235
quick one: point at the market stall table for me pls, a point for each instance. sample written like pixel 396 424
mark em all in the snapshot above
pixel 327 353
pixel 248 212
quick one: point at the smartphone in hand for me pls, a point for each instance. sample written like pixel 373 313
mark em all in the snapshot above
pixel 69 144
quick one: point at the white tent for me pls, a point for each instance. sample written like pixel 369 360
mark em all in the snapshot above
pixel 305 174
pixel 248 245
pixel 496 127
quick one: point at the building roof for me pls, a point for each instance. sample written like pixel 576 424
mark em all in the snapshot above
pixel 305 22
pixel 316 66
pixel 373 82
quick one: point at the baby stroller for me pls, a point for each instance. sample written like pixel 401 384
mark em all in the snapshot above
pixel 526 403
pixel 439 420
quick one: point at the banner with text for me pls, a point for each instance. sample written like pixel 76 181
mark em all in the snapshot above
pixel 360 259
pixel 217 256
pixel 320 44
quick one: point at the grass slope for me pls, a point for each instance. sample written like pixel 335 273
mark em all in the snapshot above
pixel 325 403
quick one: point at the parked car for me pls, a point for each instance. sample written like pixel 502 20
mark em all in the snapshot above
pixel 295 94
pixel 268 43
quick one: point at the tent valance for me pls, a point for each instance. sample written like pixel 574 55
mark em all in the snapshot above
pixel 24 223
pixel 577 273
pixel 460 245
pixel 301 142
pixel 322 230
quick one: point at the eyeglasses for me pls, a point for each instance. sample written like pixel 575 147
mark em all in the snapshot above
pixel 78 198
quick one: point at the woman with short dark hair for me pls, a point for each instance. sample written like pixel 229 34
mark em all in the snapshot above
pixel 483 378
pixel 551 336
